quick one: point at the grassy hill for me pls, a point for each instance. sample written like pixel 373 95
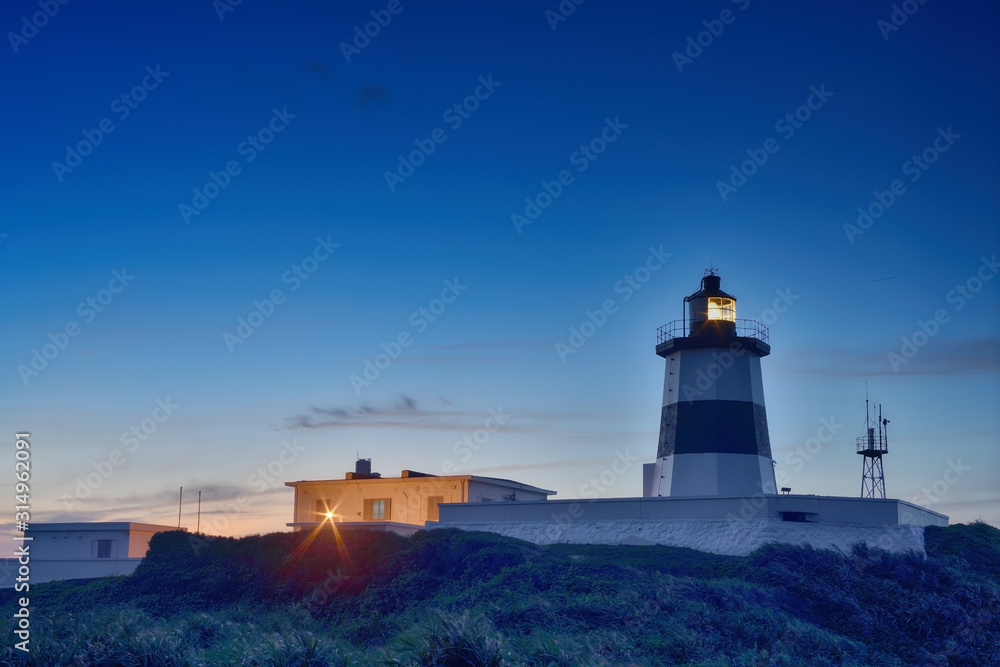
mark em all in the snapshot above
pixel 455 598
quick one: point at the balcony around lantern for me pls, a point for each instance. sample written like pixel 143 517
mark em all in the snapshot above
pixel 746 334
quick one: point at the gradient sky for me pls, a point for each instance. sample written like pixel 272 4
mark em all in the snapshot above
pixel 283 397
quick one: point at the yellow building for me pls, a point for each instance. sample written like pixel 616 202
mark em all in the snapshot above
pixel 398 504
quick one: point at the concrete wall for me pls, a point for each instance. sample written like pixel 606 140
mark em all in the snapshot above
pixel 727 537
pixel 72 568
pixel 821 509
pixel 731 526
pixel 404 529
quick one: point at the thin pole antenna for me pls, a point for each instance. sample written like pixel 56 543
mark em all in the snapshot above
pixel 866 404
pixel 198 529
pixel 180 503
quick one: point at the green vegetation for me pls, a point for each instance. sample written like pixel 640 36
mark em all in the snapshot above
pixel 448 597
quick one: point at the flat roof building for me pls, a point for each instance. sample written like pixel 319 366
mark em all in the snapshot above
pixel 82 550
pixel 399 504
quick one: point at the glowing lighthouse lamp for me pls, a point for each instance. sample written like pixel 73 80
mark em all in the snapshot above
pixel 713 425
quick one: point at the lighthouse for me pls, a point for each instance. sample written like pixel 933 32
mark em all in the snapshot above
pixel 713 424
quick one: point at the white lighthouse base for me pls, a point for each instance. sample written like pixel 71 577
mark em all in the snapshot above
pixel 712 474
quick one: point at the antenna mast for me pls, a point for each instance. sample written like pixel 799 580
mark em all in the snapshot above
pixel 873 445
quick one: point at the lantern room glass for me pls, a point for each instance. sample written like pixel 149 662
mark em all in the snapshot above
pixel 721 308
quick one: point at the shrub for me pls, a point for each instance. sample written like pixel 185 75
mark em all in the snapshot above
pixel 452 640
pixel 287 600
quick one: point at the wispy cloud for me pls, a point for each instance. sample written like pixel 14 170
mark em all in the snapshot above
pixel 370 93
pixel 973 356
pixel 549 465
pixel 406 413
pixel 476 352
pixel 134 506
pixel 492 345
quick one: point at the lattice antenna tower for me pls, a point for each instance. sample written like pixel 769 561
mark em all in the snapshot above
pixel 873 445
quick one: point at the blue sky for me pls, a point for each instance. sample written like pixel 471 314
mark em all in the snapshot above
pixel 831 104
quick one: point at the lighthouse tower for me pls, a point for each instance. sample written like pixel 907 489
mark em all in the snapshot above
pixel 713 425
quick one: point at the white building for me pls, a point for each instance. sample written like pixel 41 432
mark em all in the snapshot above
pixel 81 550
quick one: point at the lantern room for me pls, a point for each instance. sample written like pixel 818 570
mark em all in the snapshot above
pixel 710 311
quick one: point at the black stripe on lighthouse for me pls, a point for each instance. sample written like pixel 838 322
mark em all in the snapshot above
pixel 714 427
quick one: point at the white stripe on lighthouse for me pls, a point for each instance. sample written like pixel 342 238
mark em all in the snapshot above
pixel 714 475
pixel 711 375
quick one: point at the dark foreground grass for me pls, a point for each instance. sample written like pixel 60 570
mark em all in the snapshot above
pixel 455 598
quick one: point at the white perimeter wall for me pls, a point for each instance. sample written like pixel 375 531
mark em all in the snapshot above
pixel 70 568
pixel 737 537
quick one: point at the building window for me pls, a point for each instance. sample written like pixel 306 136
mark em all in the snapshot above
pixel 320 508
pixel 432 507
pixel 377 509
pixel 103 548
pixel 720 308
